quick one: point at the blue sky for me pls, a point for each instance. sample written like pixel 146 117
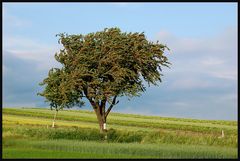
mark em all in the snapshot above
pixel 201 84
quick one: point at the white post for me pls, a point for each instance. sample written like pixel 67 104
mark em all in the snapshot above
pixel 222 134
pixel 104 126
pixel 53 124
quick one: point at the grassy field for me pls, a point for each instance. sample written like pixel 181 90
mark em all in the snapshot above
pixel 27 133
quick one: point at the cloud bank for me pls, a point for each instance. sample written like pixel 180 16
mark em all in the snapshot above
pixel 202 81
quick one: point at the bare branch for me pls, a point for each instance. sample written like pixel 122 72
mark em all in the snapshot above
pixel 111 106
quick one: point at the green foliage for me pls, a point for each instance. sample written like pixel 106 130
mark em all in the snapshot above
pixel 109 62
pixel 57 91
pixel 102 66
pixel 105 64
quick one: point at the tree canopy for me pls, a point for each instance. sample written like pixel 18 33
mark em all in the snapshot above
pixel 104 65
pixel 57 92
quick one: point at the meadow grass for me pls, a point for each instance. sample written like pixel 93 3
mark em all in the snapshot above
pixel 114 135
pixel 77 136
pixel 114 119
pixel 115 114
pixel 93 149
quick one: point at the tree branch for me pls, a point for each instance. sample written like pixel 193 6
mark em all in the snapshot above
pixel 102 105
pixel 111 106
pixel 90 99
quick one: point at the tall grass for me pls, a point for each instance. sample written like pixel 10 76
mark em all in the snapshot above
pixel 118 136
pixel 91 149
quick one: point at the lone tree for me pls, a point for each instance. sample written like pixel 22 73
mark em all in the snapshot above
pixel 105 65
pixel 58 93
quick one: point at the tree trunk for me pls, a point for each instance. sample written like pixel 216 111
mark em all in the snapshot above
pixel 99 108
pixel 101 120
pixel 55 115
pixel 101 125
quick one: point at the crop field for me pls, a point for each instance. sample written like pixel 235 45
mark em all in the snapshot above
pixel 27 133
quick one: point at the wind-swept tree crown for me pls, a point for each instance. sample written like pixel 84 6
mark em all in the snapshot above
pixel 110 63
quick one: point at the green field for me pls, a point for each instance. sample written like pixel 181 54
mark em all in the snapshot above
pixel 27 133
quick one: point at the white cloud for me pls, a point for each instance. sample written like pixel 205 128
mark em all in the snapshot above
pixel 212 61
pixel 12 21
pixel 177 44
pixel 224 42
pixel 195 61
pixel 220 68
pixel 190 83
pixel 23 47
pixel 28 49
pixel 225 74
pixel 32 50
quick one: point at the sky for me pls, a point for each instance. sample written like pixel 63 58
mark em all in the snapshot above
pixel 202 37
